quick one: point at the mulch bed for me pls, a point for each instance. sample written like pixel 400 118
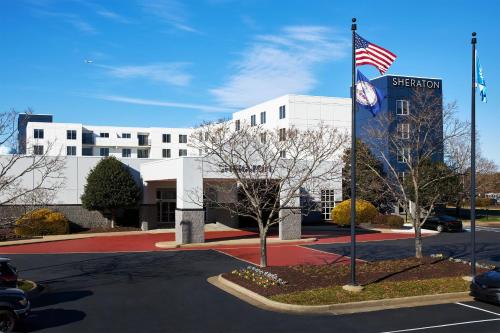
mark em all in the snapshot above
pixel 7 234
pixel 305 277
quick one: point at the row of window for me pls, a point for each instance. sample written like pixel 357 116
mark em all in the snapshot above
pixel 253 118
pixel 126 152
pixel 38 133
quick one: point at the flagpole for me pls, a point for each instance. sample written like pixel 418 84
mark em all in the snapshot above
pixel 473 160
pixel 353 158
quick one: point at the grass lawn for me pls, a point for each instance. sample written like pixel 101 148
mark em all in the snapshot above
pixel 25 285
pixel 382 290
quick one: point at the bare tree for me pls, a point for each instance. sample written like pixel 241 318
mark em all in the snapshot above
pixel 458 157
pixel 25 179
pixel 411 147
pixel 273 170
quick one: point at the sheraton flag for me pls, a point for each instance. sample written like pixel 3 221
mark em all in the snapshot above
pixel 370 54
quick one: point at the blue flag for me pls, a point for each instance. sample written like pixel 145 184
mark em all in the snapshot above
pixel 367 95
pixel 480 81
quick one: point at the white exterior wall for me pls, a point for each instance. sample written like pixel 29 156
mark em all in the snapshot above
pixel 302 112
pixel 55 134
pixel 75 175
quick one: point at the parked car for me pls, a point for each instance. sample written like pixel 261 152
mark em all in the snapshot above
pixel 486 286
pixel 8 274
pixel 443 223
pixel 14 306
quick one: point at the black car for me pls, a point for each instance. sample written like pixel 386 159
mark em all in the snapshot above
pixel 486 286
pixel 443 223
pixel 8 274
pixel 14 306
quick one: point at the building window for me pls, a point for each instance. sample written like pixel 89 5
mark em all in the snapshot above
pixel 143 139
pixel 38 133
pixel 283 154
pixel 38 150
pixel 104 135
pixel 88 138
pixel 166 153
pixel 87 151
pixel 263 138
pixel 402 107
pixel 401 175
pixel 402 155
pixel 126 152
pixel 282 134
pixel 404 131
pixel 126 136
pixel 282 112
pixel 71 134
pixel 263 117
pixel 327 204
pixel 237 125
pixel 142 153
pixel 183 152
pixel 71 150
pixel 104 152
pixel 166 138
pixel 253 120
pixel 183 138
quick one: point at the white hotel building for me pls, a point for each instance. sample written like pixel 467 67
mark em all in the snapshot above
pixel 163 162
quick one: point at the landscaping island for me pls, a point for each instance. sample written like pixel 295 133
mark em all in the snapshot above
pixel 322 284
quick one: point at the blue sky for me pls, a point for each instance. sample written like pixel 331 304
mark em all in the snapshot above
pixel 176 63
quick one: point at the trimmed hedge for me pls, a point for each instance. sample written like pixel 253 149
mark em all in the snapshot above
pixel 42 222
pixel 365 212
pixel 393 221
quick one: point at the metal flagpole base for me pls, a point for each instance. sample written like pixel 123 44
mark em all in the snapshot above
pixel 352 288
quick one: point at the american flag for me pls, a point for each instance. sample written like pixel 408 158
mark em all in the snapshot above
pixel 370 54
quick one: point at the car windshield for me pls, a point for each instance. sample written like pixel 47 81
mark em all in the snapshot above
pixel 447 218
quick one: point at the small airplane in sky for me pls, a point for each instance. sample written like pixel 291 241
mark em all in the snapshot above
pixel 87 61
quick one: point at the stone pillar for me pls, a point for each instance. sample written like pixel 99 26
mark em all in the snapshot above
pixel 189 214
pixel 290 225
pixel 189 226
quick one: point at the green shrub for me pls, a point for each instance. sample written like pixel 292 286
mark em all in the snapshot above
pixel 365 212
pixel 393 221
pixel 42 222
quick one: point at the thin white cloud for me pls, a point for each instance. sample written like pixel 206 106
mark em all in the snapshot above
pixel 106 13
pixel 170 73
pixel 5 150
pixel 171 12
pixel 280 64
pixel 150 102
pixel 75 20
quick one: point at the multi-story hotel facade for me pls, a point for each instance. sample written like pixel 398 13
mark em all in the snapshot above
pixel 167 167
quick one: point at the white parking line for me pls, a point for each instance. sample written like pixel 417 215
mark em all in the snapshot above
pixel 484 229
pixel 445 325
pixel 476 308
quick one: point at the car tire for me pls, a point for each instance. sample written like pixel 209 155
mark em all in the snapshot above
pixel 7 321
pixel 440 228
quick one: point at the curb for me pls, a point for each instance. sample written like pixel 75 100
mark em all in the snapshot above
pixel 335 309
pixel 236 242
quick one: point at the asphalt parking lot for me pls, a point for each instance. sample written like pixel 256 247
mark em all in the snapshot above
pixel 450 244
pixel 168 292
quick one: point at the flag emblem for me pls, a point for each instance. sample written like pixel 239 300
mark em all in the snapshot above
pixel 367 95
pixel 480 81
pixel 370 54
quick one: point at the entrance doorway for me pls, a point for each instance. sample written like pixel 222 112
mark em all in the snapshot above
pixel 165 205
